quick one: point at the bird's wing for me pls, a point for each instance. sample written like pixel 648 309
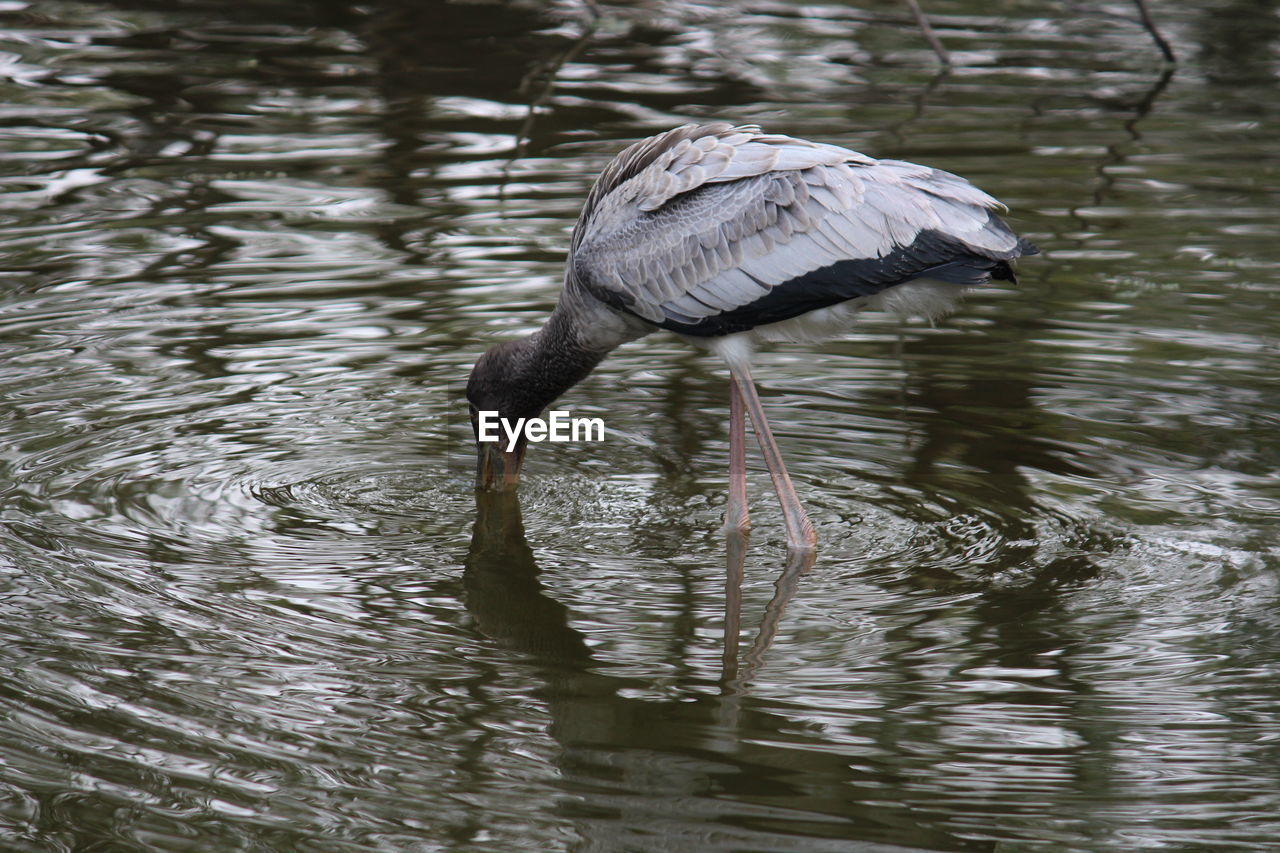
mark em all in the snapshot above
pixel 713 229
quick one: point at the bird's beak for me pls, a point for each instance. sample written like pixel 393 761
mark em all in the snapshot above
pixel 497 468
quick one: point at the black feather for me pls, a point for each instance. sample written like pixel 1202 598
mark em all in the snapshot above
pixel 931 255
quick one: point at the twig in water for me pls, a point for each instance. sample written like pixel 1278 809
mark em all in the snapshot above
pixel 923 22
pixel 552 70
pixel 1149 23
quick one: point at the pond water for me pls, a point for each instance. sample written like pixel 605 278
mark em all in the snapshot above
pixel 250 601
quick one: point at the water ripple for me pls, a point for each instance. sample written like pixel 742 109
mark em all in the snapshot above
pixel 249 599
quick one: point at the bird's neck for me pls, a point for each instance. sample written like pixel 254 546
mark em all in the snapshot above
pixel 549 362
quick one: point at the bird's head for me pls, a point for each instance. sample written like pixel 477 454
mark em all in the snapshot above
pixel 497 396
pixel 516 380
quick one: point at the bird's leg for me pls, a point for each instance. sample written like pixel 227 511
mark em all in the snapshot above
pixel 735 510
pixel 800 533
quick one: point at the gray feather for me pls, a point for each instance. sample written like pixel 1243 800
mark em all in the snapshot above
pixel 704 220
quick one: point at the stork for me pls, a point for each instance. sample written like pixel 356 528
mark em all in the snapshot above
pixel 729 236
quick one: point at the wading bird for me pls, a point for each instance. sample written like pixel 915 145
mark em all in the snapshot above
pixel 728 236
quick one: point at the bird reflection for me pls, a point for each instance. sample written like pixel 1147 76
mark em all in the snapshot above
pixel 511 607
pixel 650 774
pixel 732 677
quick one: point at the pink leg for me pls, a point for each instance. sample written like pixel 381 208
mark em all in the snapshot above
pixel 735 510
pixel 800 533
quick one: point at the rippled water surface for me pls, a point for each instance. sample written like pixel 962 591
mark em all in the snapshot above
pixel 250 601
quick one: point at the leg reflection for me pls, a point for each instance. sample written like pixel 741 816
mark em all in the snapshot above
pixel 645 772
pixel 733 678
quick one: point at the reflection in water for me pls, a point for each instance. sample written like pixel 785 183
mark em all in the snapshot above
pixel 505 596
pixel 643 774
pixel 797 563
pixel 1114 164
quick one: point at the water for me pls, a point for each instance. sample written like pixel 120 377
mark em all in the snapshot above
pixel 249 601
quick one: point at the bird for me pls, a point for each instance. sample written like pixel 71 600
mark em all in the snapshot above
pixel 730 236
